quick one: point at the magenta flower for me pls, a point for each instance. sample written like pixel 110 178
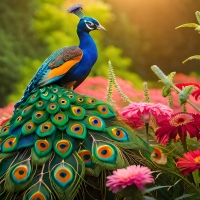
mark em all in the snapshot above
pixel 190 163
pixel 135 174
pixel 139 113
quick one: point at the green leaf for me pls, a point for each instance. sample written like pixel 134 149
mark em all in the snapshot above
pixel 189 25
pixel 195 175
pixel 148 198
pixel 154 188
pixel 166 90
pixel 197 13
pixel 184 196
pixel 191 58
pixel 171 76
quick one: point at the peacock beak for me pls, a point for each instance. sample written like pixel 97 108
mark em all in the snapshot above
pixel 99 27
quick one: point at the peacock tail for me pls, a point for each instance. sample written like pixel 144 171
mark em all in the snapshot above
pixel 61 145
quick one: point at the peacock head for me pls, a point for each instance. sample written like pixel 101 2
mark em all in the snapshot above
pixel 86 24
pixel 89 24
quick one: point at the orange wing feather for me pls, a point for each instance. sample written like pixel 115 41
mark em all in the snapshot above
pixel 64 68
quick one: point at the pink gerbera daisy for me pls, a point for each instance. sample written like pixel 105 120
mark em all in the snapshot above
pixel 140 113
pixel 190 163
pixel 135 174
pixel 180 125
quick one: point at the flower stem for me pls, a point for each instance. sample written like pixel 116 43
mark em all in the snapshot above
pixel 146 92
pixel 123 96
pixel 184 107
pixel 110 86
pixel 184 144
pixel 147 131
pixel 170 100
pixel 166 81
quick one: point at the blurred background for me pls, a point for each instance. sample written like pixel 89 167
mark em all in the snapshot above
pixel 140 33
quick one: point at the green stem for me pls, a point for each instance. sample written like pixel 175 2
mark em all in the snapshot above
pixel 146 92
pixel 184 107
pixel 147 131
pixel 177 90
pixel 184 144
pixel 124 97
pixel 170 100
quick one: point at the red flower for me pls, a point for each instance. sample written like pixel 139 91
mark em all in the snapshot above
pixel 179 124
pixel 190 163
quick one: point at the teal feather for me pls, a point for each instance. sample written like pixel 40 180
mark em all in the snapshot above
pixel 39 191
pixel 59 119
pixel 4 131
pixel 45 129
pixel 117 133
pixel 29 128
pixel 10 144
pixel 63 103
pixel 40 116
pixel 42 147
pixel 28 110
pixel 76 112
pixel 63 175
pixel 52 108
pixel 103 111
pixel 41 104
pixel 94 123
pixel 33 98
pixel 63 147
pixel 19 173
pixel 26 141
pixel 76 129
pixel 45 95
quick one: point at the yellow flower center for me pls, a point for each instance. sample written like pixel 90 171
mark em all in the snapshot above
pixel 181 119
pixel 197 160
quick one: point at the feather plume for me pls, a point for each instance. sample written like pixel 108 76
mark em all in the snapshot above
pixel 77 10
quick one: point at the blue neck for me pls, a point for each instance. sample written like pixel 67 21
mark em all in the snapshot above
pixel 87 45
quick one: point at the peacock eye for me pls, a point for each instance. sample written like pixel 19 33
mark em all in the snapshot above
pixel 90 24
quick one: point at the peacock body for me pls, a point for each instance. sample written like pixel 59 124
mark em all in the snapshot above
pixel 56 141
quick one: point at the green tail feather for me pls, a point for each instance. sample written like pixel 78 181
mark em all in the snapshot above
pixel 59 142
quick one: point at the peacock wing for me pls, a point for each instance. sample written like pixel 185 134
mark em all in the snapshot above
pixel 59 64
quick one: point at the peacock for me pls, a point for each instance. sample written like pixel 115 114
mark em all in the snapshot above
pixel 69 66
pixel 60 144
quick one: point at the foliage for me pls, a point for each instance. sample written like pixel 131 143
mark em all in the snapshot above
pixel 145 31
pixel 16 42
